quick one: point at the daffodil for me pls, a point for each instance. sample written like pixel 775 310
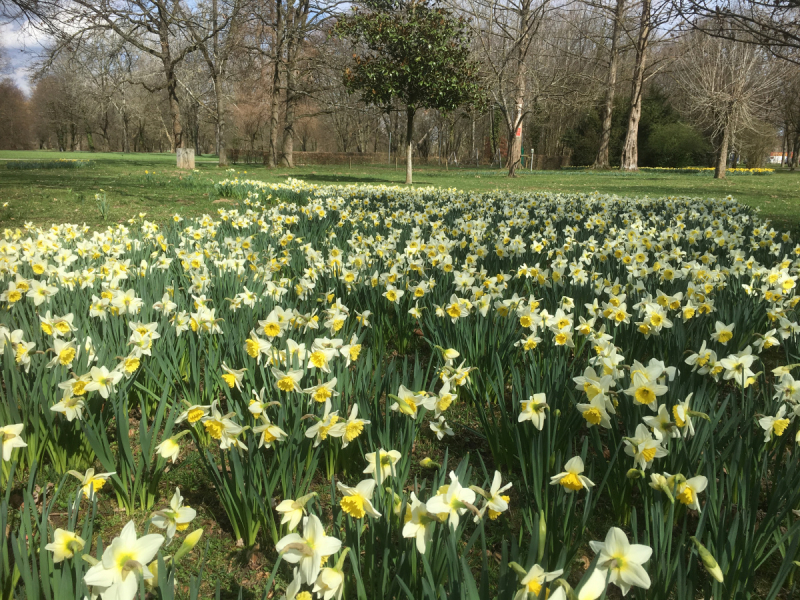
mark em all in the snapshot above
pixel 11 437
pixel 495 502
pixel 440 428
pixel 453 502
pixel 644 448
pixel 419 524
pixel 571 478
pixel 774 426
pixel 175 518
pixel 328 425
pixel 597 411
pixel 322 392
pixel 382 463
pixel 357 501
pixel 293 510
pixel 645 387
pixel 663 428
pixel 103 381
pixel 169 449
pixel 533 410
pixel 288 381
pixel 621 562
pixel 64 545
pixel 353 426
pixel 687 491
pixel 722 332
pixel 269 432
pixel 533 581
pixel 309 550
pixel 71 407
pixel 91 483
pixel 233 377
pixel 116 576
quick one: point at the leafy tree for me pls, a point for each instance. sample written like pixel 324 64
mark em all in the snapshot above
pixel 415 53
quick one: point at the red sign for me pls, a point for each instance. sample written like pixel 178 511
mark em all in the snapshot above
pixel 519 131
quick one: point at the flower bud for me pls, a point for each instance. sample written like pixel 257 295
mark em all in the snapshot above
pixel 634 474
pixel 709 562
pixel 542 534
pixel 189 542
pixel 427 463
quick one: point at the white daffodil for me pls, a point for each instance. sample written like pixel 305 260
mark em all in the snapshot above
pixel 169 449
pixel 622 561
pixel 293 511
pixel 571 479
pixel 309 550
pixel 64 545
pixel 661 425
pixel 774 426
pixel 644 448
pixel 288 381
pixel 71 407
pixel 103 381
pixel 688 490
pixel 419 524
pixel 175 518
pixel 328 425
pixel 533 410
pixel 116 576
pixel 597 411
pixel 270 433
pixel 452 502
pixel 533 582
pixel 441 428
pixel 91 483
pixel 382 467
pixel 495 502
pixel 353 426
pixel 11 437
pixel 357 501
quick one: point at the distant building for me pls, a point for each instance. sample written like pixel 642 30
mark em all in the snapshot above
pixel 777 158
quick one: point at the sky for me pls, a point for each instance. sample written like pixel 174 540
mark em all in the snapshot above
pixel 20 47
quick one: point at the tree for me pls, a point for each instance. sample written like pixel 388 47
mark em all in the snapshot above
pixel 15 120
pixel 415 53
pixel 505 32
pixel 652 15
pixel 165 29
pixel 616 14
pixel 773 24
pixel 727 86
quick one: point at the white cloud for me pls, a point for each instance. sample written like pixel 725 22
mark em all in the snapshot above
pixel 21 46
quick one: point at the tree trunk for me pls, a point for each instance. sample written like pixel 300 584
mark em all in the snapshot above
pixel 174 109
pixel 409 143
pixel 722 155
pixel 291 101
pixel 630 151
pixel 515 145
pixel 602 162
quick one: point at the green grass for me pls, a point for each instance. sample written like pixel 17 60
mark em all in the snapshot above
pixel 46 196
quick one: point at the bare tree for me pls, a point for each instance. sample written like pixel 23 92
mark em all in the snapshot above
pixel 773 24
pixel 727 86
pixel 165 29
pixel 652 15
pixel 504 33
pixel 616 14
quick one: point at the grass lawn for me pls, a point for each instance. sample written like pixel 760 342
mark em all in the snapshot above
pixel 44 196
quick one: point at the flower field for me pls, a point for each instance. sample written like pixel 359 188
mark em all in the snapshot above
pixel 622 368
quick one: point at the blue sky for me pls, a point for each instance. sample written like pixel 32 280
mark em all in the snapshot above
pixel 20 47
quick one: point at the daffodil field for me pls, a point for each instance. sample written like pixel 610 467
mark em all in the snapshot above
pixel 625 365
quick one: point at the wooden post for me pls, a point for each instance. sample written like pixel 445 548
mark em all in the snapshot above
pixel 185 157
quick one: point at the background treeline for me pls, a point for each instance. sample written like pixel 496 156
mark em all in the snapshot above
pixel 265 77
